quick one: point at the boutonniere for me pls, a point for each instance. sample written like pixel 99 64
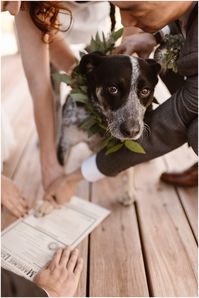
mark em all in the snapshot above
pixel 168 52
pixel 95 123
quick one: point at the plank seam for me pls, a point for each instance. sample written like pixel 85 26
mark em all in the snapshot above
pixel 144 254
pixel 90 188
pixel 183 207
pixel 88 270
pixel 186 215
pixel 26 144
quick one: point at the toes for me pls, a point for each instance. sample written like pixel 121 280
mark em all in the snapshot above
pixel 73 260
pixel 79 267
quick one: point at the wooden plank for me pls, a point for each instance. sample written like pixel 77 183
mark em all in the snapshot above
pixel 116 261
pixel 77 155
pixel 22 134
pixel 169 245
pixel 178 160
pixel 18 108
pixel 11 74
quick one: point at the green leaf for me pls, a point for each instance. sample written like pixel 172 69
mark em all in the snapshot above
pixel 117 34
pixel 114 148
pixel 134 146
pixel 93 130
pixel 61 77
pixel 88 123
pixel 105 142
pixel 79 97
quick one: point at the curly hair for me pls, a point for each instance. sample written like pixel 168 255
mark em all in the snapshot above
pixel 44 15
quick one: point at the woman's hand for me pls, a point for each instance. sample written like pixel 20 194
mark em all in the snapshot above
pixel 12 198
pixel 63 188
pixel 59 192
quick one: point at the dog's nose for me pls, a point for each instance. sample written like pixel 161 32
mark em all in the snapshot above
pixel 129 132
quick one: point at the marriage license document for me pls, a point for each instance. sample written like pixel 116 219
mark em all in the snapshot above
pixel 29 243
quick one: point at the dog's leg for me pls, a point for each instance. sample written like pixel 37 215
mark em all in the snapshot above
pixel 127 196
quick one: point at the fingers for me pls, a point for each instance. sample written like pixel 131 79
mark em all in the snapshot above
pixel 16 209
pixel 56 259
pixel 67 259
pixel 45 208
pixel 73 260
pixel 79 267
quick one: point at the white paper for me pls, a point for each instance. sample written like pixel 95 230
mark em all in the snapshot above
pixel 29 243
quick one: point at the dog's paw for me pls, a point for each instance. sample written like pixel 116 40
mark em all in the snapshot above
pixel 43 208
pixel 126 200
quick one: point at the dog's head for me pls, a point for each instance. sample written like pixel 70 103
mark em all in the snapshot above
pixel 121 87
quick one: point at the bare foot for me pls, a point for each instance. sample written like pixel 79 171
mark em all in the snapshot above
pixel 12 198
pixel 61 276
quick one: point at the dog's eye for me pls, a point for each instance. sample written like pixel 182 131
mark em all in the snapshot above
pixel 112 90
pixel 145 92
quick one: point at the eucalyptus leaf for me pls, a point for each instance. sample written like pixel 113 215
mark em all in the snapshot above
pixel 117 34
pixel 88 123
pixel 79 97
pixel 134 146
pixel 114 148
pixel 61 77
pixel 93 130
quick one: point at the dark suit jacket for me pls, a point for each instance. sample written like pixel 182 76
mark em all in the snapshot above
pixel 174 122
pixel 13 285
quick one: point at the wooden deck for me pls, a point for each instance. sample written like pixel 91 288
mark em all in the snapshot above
pixel 146 250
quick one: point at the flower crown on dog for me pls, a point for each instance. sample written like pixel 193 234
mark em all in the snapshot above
pixel 95 123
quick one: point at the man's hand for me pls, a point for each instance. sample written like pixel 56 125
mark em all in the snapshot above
pixel 61 276
pixel 140 43
pixel 12 198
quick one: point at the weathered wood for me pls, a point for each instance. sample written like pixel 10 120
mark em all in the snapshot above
pixel 77 155
pixel 18 107
pixel 116 261
pixel 169 245
pixel 177 161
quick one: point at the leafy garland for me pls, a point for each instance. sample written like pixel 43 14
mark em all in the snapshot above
pixel 168 52
pixel 95 123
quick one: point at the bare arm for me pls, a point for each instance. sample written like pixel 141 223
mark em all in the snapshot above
pixel 60 53
pixel 35 58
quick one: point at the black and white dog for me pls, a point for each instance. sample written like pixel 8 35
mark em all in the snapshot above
pixel 121 88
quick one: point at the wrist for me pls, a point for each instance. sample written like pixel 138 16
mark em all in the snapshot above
pixel 75 176
pixel 51 170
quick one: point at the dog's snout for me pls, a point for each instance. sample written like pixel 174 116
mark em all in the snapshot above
pixel 129 131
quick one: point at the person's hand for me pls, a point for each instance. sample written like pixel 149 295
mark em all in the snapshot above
pixel 12 198
pixel 140 43
pixel 61 276
pixel 61 190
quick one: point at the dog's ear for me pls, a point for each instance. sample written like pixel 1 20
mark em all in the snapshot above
pixel 90 61
pixel 156 66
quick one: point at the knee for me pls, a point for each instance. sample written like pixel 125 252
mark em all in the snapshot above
pixel 193 135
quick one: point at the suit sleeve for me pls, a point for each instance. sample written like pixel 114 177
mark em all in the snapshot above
pixel 13 285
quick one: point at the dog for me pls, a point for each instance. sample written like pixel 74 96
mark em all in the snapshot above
pixel 121 89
